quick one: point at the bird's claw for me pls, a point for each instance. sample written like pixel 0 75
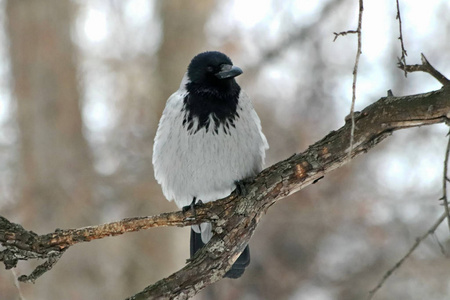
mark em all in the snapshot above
pixel 195 203
pixel 241 186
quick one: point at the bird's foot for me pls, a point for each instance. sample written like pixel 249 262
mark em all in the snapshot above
pixel 195 203
pixel 241 186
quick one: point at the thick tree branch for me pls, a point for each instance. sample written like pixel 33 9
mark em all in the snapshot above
pixel 23 245
pixel 235 218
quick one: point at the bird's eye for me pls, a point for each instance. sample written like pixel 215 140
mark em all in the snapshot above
pixel 209 69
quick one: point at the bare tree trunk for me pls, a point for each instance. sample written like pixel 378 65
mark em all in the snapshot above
pixel 56 164
pixel 183 37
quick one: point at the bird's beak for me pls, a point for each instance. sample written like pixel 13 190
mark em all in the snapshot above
pixel 228 71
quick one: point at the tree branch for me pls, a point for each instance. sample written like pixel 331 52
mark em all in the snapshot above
pixel 424 67
pixel 24 245
pixel 358 32
pixel 402 45
pixel 419 240
pixel 355 75
pixel 444 182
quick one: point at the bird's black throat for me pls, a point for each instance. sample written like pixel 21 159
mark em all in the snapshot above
pixel 203 102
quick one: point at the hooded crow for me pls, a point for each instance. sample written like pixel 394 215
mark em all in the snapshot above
pixel 209 138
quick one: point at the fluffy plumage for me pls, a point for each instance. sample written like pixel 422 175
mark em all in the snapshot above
pixel 209 136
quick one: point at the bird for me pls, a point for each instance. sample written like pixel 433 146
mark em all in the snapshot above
pixel 209 140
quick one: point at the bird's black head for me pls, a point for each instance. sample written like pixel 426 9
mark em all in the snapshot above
pixel 211 90
pixel 213 69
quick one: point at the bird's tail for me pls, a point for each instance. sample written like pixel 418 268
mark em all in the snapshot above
pixel 239 265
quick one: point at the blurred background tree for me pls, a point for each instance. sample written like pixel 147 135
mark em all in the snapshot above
pixel 82 87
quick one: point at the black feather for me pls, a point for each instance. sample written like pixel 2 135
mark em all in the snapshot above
pixel 239 265
pixel 208 95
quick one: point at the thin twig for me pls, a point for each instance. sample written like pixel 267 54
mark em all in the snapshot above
pixel 42 268
pixel 343 33
pixel 358 31
pixel 444 183
pixel 419 240
pixel 424 67
pixel 404 54
pixel 438 242
pixel 355 76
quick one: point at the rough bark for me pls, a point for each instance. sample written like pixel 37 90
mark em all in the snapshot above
pixel 236 217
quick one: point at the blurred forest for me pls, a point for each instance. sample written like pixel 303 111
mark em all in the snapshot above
pixel 83 85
